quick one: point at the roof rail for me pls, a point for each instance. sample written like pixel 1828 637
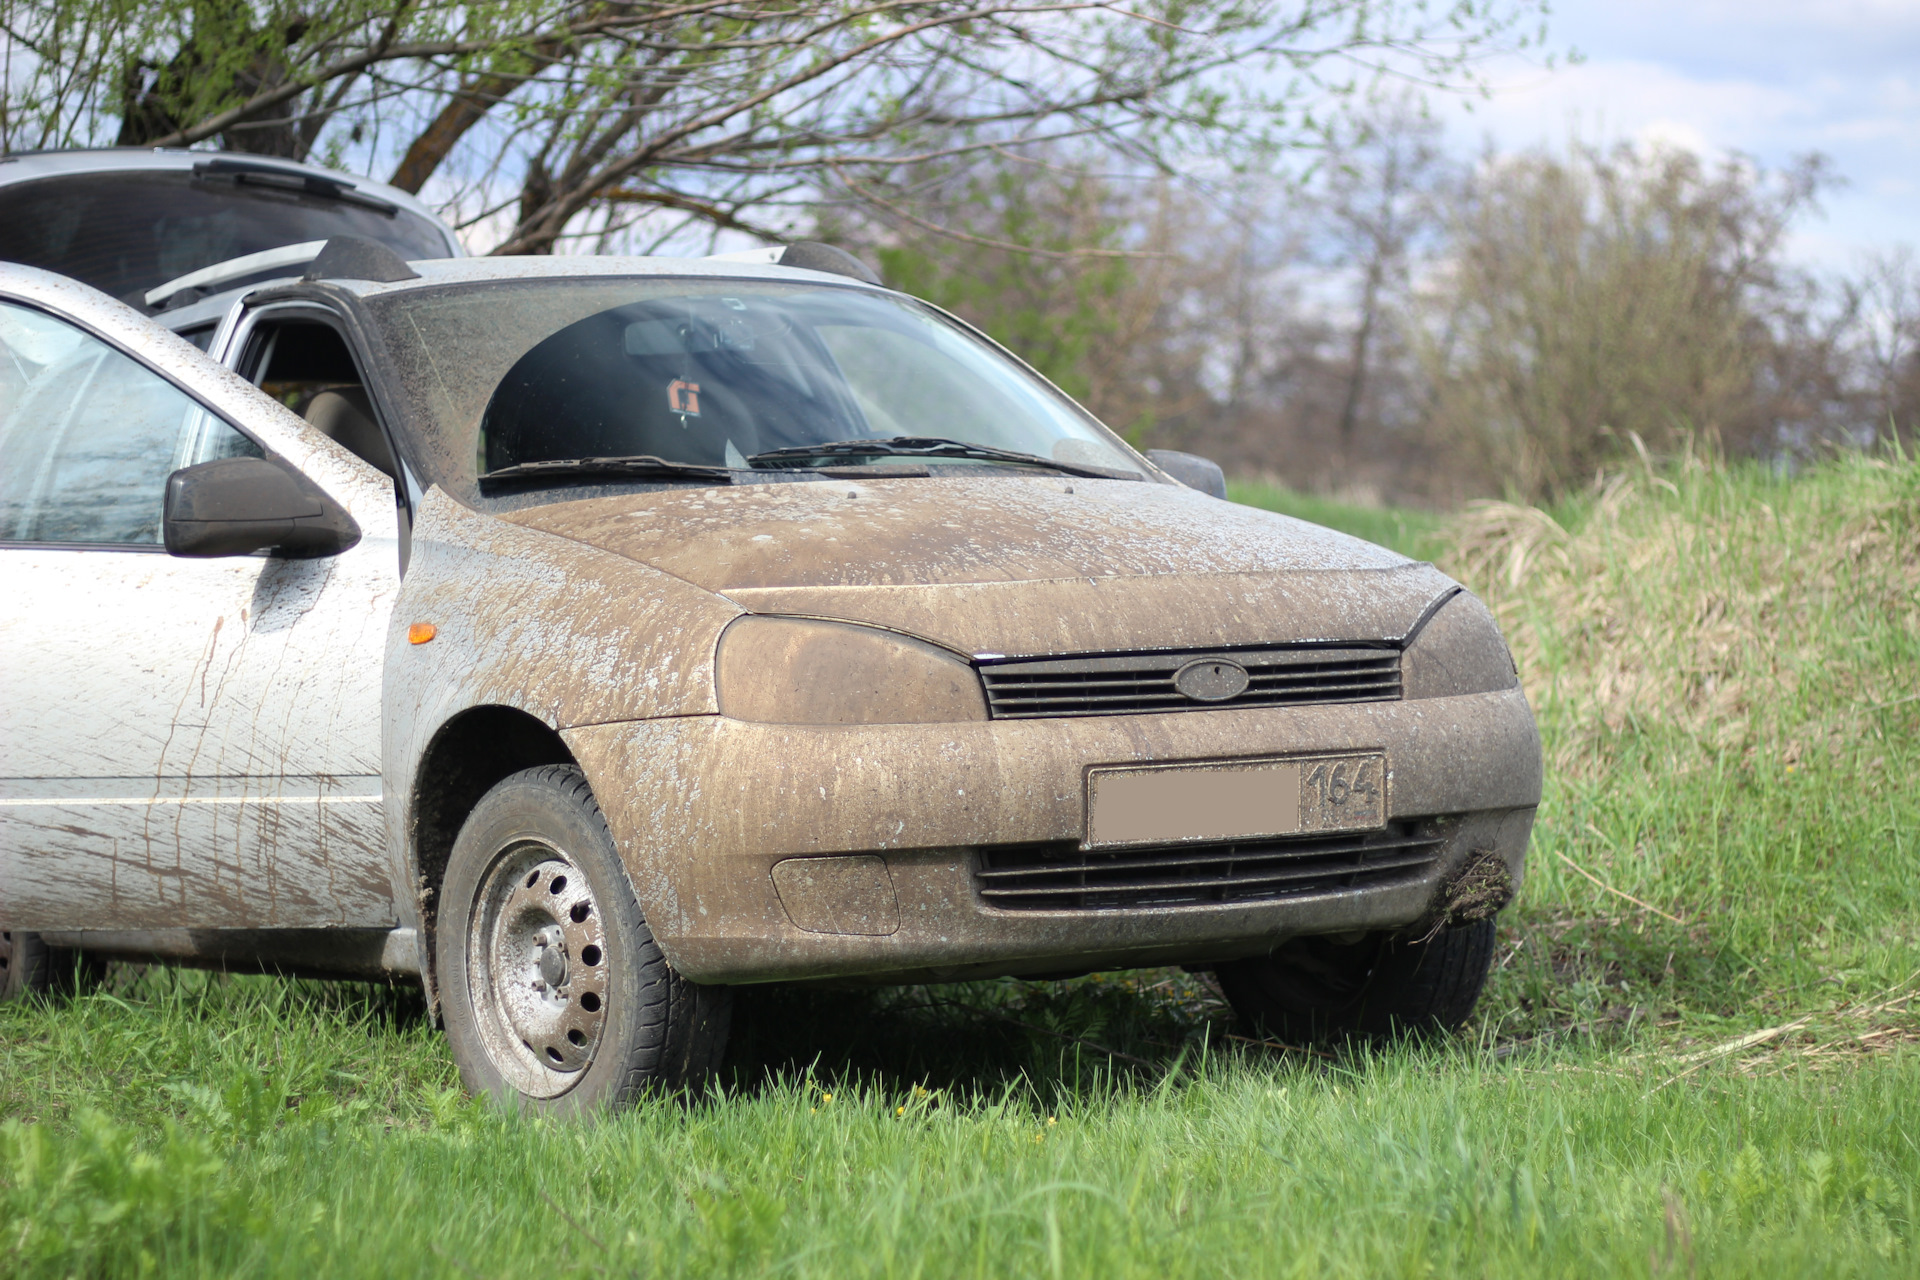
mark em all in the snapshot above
pixel 287 255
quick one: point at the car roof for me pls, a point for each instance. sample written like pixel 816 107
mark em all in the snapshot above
pixel 752 265
pixel 449 271
pixel 32 166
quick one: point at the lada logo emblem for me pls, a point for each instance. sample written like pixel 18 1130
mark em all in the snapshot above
pixel 1211 680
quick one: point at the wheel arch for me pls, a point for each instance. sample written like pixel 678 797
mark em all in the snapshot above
pixel 467 755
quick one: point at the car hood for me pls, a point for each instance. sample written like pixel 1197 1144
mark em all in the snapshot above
pixel 1015 565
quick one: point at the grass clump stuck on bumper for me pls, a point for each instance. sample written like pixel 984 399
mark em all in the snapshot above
pixel 1694 1058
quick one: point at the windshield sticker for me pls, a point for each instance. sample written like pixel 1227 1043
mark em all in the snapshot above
pixel 684 397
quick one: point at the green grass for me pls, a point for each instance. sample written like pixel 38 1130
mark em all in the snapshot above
pixel 1235 1163
pixel 1411 533
pixel 1697 1055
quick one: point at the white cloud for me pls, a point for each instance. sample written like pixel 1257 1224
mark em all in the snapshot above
pixel 1623 98
pixel 1677 134
pixel 1772 78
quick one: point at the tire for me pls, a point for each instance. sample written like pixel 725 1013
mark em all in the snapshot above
pixel 29 967
pixel 1314 990
pixel 556 997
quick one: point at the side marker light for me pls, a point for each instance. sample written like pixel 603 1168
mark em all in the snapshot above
pixel 421 632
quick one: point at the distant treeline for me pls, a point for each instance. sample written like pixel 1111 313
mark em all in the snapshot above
pixel 1408 324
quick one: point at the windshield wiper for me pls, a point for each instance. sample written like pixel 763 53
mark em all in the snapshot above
pixel 265 173
pixel 643 466
pixel 929 447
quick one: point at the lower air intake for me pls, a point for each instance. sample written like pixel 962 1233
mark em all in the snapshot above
pixel 1062 877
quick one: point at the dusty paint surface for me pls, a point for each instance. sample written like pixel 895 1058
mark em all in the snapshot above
pixel 1114 614
pixel 703 807
pixel 600 617
pixel 570 634
pixel 946 530
pixel 524 619
pixel 195 743
pixel 1016 566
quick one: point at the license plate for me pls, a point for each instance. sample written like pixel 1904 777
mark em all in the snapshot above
pixel 1168 804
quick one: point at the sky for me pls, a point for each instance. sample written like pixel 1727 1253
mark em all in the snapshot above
pixel 1772 78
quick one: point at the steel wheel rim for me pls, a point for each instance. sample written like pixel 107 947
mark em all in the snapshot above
pixel 537 969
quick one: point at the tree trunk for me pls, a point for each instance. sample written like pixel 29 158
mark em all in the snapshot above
pixel 1362 341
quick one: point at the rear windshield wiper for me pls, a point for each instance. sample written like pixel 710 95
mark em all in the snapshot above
pixel 929 447
pixel 267 174
pixel 643 466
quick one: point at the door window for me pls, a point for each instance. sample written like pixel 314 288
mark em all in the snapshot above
pixel 306 366
pixel 88 436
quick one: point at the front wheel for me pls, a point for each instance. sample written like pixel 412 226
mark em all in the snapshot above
pixel 555 994
pixel 1378 987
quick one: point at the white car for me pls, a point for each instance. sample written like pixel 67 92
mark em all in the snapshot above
pixel 146 224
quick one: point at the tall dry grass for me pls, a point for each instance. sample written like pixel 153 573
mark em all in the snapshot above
pixel 1723 608
pixel 1725 663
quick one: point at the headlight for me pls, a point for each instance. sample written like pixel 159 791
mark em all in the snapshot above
pixel 1458 651
pixel 804 671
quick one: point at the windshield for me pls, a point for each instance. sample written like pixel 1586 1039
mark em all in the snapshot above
pixel 713 374
pixel 127 232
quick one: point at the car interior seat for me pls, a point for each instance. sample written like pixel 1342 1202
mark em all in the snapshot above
pixel 345 415
pixel 307 367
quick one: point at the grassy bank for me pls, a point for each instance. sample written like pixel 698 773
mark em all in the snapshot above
pixel 1726 667
pixel 1413 533
pixel 1696 1055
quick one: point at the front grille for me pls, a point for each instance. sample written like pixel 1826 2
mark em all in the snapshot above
pixel 1062 877
pixel 1130 684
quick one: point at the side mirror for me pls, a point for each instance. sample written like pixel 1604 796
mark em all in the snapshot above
pixel 235 506
pixel 1191 470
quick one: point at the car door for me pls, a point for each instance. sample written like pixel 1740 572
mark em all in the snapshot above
pixel 183 742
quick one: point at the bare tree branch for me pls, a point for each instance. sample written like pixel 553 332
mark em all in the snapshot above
pixel 581 103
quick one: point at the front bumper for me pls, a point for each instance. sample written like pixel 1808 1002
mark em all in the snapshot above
pixel 704 808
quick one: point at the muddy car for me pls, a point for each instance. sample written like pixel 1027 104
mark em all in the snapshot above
pixel 590 637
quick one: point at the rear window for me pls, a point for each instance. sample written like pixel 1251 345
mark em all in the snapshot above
pixel 126 233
